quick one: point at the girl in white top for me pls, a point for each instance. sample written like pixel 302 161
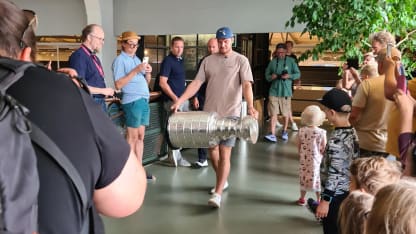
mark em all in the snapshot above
pixel 311 145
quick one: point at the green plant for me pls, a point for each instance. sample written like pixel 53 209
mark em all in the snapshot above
pixel 345 25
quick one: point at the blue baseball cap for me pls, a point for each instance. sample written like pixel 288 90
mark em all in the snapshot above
pixel 224 33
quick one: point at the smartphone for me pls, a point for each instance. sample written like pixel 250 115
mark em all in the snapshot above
pixel 401 79
pixel 388 50
pixel 145 59
pixel 353 62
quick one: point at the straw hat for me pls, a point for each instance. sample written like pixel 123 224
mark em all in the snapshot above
pixel 129 35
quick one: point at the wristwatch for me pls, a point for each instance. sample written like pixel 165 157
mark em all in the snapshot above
pixel 326 197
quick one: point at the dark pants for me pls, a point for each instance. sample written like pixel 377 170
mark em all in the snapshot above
pixel 330 223
pixel 202 154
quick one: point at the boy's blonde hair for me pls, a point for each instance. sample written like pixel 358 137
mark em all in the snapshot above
pixel 393 211
pixel 373 173
pixel 353 212
pixel 312 116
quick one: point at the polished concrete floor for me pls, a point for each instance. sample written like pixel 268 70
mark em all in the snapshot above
pixel 261 198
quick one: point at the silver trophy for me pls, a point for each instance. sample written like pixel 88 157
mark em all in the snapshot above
pixel 199 129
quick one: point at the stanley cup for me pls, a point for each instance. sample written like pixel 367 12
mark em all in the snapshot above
pixel 199 129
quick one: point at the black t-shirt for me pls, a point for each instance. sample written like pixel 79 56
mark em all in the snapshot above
pixel 89 139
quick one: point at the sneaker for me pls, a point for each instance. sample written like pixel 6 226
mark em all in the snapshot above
pixel 150 177
pixel 278 124
pixel 312 205
pixel 173 156
pixel 183 163
pixel 199 164
pixel 285 136
pixel 271 138
pixel 301 201
pixel 294 127
pixel 215 200
pixel 169 161
pixel 223 189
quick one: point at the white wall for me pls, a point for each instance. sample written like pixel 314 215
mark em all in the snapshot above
pixel 202 16
pixel 69 17
pixel 57 17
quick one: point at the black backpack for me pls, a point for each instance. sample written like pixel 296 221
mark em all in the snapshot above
pixel 19 179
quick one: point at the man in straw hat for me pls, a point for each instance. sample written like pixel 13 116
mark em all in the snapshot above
pixel 132 76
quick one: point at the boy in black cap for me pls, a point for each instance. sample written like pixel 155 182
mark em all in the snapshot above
pixel 341 149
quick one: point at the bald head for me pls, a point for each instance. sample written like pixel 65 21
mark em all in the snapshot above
pixel 212 46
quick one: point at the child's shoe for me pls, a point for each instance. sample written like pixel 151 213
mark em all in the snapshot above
pixel 285 136
pixel 301 201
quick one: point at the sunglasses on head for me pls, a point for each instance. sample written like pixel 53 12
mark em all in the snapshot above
pixel 33 22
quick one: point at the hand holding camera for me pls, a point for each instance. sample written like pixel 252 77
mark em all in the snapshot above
pixel 284 75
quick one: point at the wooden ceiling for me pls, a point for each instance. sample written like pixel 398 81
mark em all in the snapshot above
pixel 297 38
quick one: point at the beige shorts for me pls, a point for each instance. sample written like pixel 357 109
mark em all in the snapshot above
pixel 279 106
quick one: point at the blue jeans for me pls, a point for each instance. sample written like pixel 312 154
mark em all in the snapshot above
pixel 101 102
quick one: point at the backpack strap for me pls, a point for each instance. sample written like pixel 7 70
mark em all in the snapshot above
pixel 14 71
pixel 43 140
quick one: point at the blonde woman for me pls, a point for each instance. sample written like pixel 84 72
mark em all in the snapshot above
pixel 311 145
pixel 354 211
pixel 393 211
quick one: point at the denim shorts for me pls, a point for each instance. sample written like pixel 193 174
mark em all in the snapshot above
pixel 230 142
pixel 137 113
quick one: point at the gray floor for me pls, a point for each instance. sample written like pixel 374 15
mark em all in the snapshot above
pixel 261 198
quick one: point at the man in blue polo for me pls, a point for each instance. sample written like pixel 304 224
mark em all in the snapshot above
pixel 172 83
pixel 88 65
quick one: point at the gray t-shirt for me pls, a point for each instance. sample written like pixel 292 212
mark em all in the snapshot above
pixel 224 76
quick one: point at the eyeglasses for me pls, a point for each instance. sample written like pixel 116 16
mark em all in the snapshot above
pixel 132 45
pixel 99 38
pixel 33 22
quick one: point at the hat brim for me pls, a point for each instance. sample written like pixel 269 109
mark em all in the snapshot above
pixel 129 38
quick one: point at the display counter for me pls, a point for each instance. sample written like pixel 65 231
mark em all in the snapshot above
pixel 307 95
pixel 154 144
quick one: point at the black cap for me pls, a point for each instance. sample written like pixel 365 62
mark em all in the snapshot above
pixel 337 100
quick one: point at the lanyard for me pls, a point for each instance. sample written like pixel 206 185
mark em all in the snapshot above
pixel 277 64
pixel 95 60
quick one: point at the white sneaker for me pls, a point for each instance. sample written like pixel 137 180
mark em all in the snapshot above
pixel 271 138
pixel 199 164
pixel 215 200
pixel 294 127
pixel 176 155
pixel 183 163
pixel 223 189
pixel 279 125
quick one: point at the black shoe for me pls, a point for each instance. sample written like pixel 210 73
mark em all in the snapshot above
pixel 150 177
pixel 312 205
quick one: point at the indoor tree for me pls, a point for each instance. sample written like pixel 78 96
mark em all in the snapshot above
pixel 345 25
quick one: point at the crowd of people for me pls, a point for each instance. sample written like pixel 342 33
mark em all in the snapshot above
pixel 357 189
pixel 367 187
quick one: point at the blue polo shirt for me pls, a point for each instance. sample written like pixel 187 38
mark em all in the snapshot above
pixel 83 63
pixel 137 87
pixel 173 68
